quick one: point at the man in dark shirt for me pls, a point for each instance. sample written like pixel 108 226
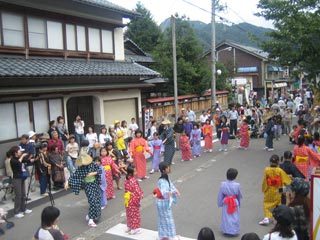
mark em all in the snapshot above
pixel 289 167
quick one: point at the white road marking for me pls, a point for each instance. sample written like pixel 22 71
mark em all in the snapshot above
pixel 213 160
pixel 119 230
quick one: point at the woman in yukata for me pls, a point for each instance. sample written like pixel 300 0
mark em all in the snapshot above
pixel 87 175
pixel 229 198
pixel 195 139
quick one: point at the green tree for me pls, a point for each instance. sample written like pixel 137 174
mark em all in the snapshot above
pixel 295 40
pixel 193 72
pixel 143 30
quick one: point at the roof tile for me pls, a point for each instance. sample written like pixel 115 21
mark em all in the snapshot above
pixel 20 67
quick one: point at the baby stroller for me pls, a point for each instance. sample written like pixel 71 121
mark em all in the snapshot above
pixel 4 221
pixel 253 129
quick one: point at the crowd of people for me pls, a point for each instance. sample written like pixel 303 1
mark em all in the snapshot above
pixel 93 162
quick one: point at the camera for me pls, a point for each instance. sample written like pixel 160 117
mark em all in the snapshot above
pixel 285 189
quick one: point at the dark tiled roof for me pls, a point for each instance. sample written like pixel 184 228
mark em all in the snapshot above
pixel 46 67
pixel 109 5
pixel 138 58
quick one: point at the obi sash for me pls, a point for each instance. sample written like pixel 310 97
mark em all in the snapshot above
pixel 89 179
pixel 139 148
pixel 274 181
pixel 300 159
pixel 126 197
pixel 107 167
pixel 157 147
pixel 157 193
pixel 231 203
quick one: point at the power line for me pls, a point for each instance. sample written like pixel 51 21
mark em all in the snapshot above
pixel 223 19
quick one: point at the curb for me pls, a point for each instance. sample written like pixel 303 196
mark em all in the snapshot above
pixel 41 201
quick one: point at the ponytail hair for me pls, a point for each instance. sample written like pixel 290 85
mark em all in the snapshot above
pixel 162 167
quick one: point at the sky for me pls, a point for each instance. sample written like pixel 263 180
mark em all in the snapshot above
pixel 237 10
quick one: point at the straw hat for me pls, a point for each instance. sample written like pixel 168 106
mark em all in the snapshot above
pixel 116 121
pixel 267 116
pixel 166 122
pixel 84 159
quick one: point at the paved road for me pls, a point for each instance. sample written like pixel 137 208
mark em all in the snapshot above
pixel 198 182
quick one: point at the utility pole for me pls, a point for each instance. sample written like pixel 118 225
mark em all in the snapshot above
pixel 213 54
pixel 174 57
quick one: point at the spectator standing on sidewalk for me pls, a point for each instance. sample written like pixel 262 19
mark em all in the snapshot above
pixel 133 127
pixel 178 129
pixel 191 115
pixel 62 130
pixel 20 174
pixel 79 130
pixel 287 121
pixel 233 117
pixel 203 117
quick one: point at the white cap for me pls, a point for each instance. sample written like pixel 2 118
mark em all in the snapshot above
pixel 31 134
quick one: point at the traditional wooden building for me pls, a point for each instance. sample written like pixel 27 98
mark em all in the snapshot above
pixel 251 68
pixel 65 57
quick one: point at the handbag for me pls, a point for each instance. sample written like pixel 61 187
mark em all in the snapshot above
pixel 58 176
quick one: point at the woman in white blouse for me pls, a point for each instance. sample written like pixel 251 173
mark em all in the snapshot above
pixel 92 137
pixel 104 136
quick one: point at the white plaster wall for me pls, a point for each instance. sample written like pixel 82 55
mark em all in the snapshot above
pixel 100 97
pixel 118 44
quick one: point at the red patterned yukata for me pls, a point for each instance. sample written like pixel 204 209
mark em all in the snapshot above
pixel 245 136
pixel 185 148
pixel 133 208
pixel 305 159
pixel 109 167
pixel 207 133
pixel 138 147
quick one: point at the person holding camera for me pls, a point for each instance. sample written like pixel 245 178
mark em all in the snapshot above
pixel 79 130
pixel 20 174
pixel 44 169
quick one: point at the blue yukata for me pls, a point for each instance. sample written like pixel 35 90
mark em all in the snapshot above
pixel 229 200
pixel 79 180
pixel 157 148
pixel 169 148
pixel 103 187
pixel 195 139
pixel 166 226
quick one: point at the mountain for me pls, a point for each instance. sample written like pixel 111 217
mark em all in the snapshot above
pixel 242 33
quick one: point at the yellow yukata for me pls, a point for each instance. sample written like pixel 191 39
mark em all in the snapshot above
pixel 120 143
pixel 274 178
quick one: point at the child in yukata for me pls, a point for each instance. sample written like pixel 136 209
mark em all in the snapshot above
pixel 207 131
pixel 195 139
pixel 185 147
pixel 274 178
pixel 229 198
pixel 132 197
pixel 157 149
pixel 103 183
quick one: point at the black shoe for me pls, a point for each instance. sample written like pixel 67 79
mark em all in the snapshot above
pixel 28 199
